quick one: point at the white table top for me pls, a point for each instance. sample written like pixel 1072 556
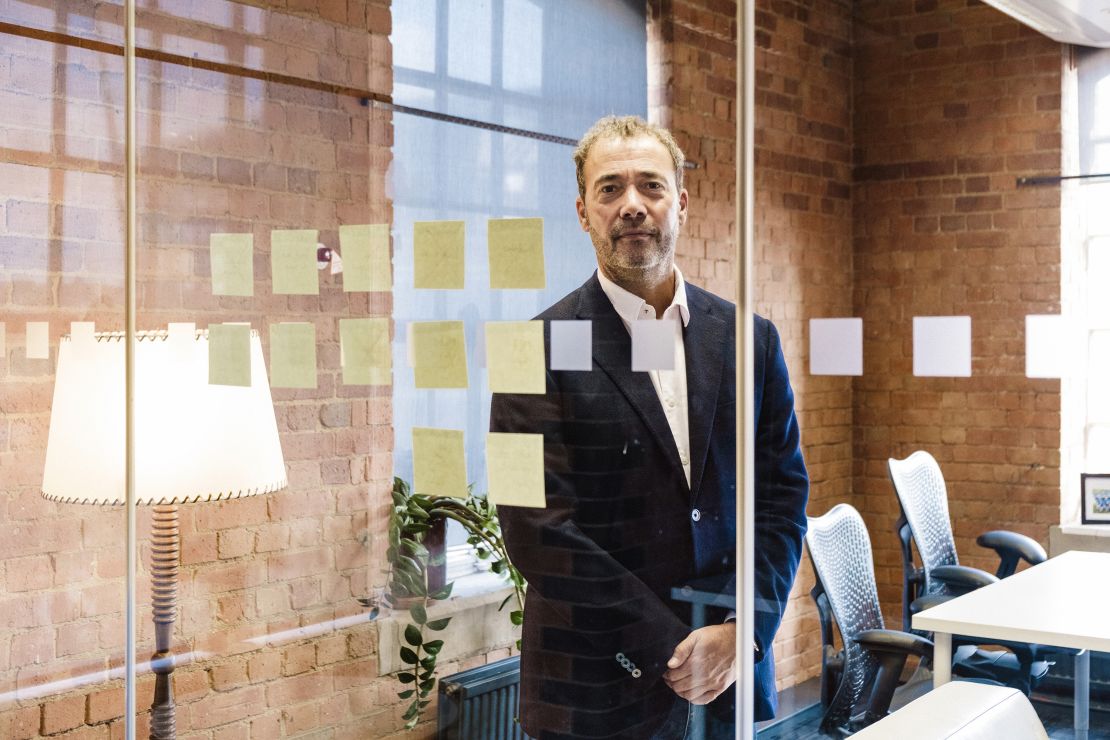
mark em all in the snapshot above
pixel 1064 601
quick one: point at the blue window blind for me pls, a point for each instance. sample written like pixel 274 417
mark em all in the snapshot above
pixel 549 66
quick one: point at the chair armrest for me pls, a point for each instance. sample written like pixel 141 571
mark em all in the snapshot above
pixel 1012 547
pixel 962 578
pixel 894 641
pixel 922 603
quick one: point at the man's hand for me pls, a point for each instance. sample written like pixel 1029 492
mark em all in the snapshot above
pixel 704 664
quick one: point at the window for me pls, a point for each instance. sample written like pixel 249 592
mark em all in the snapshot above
pixel 1086 298
pixel 524 64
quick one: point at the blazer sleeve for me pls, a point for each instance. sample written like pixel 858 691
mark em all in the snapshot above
pixel 592 595
pixel 781 493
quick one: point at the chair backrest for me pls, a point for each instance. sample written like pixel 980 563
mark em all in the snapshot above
pixel 840 550
pixel 924 501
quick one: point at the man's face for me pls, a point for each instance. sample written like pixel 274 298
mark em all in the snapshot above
pixel 632 209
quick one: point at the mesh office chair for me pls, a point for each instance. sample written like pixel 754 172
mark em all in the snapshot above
pixel 924 525
pixel 859 679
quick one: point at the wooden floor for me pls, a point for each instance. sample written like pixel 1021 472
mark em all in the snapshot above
pixel 1057 719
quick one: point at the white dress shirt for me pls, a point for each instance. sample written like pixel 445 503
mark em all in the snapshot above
pixel 670 385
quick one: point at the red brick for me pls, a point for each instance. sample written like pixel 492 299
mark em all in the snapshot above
pixel 63 714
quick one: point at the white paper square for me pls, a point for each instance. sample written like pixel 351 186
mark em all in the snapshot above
pixel 572 345
pixel 942 346
pixel 1045 346
pixel 653 344
pixel 836 346
pixel 38 340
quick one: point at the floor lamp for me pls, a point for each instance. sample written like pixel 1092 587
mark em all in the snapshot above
pixel 194 442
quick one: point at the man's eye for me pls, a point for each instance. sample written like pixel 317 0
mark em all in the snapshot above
pixel 654 185
pixel 608 188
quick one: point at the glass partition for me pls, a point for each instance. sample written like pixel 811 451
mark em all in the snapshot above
pixel 62 561
pixel 384 461
pixel 264 226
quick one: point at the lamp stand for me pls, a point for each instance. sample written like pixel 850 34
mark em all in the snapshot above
pixel 165 548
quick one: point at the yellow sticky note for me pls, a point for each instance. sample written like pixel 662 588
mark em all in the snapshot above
pixel 232 258
pixel 516 253
pixel 515 469
pixel 365 352
pixel 365 252
pixel 439 354
pixel 293 262
pixel 293 355
pixel 439 249
pixel 438 462
pixel 514 356
pixel 229 354
pixel 38 340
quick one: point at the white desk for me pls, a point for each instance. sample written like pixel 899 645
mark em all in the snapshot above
pixel 1062 602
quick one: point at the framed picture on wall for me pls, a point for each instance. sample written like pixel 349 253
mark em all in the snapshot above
pixel 1096 498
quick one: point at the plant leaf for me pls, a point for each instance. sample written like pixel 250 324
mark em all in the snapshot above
pixel 408 655
pixel 410 713
pixel 419 615
pixel 427 685
pixel 516 617
pixel 406 694
pixel 444 592
pixel 506 601
pixel 439 624
pixel 429 663
pixel 433 647
pixel 406 677
pixel 412 635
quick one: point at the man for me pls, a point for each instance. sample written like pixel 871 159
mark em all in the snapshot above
pixel 640 477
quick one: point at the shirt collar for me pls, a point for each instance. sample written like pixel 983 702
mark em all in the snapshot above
pixel 630 307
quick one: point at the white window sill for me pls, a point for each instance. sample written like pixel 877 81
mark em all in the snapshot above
pixel 1091 537
pixel 477 626
pixel 1086 530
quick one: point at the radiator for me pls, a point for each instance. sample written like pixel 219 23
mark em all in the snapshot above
pixel 482 703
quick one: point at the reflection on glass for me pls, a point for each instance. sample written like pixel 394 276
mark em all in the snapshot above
pixel 61 261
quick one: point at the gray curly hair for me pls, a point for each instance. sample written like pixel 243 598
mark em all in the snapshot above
pixel 625 127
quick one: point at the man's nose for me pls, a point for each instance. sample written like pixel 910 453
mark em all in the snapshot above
pixel 632 208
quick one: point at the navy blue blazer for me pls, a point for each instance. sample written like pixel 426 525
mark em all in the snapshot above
pixel 622 527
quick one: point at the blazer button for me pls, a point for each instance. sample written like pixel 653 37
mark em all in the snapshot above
pixel 695 515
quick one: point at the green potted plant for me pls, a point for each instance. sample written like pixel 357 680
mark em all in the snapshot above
pixel 413 518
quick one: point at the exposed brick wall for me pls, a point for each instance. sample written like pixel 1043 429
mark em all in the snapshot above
pixel 953 102
pixel 944 104
pixel 803 228
pixel 218 153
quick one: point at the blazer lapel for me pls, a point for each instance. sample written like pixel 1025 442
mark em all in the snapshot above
pixel 613 354
pixel 705 344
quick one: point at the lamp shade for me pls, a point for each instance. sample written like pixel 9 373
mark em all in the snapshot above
pixel 193 441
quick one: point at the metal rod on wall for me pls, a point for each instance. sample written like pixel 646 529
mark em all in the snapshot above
pixel 745 374
pixel 130 237
pixel 1057 179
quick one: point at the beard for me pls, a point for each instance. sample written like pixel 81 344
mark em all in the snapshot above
pixel 650 254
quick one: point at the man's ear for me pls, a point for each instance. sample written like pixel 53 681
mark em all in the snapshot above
pixel 683 202
pixel 583 219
